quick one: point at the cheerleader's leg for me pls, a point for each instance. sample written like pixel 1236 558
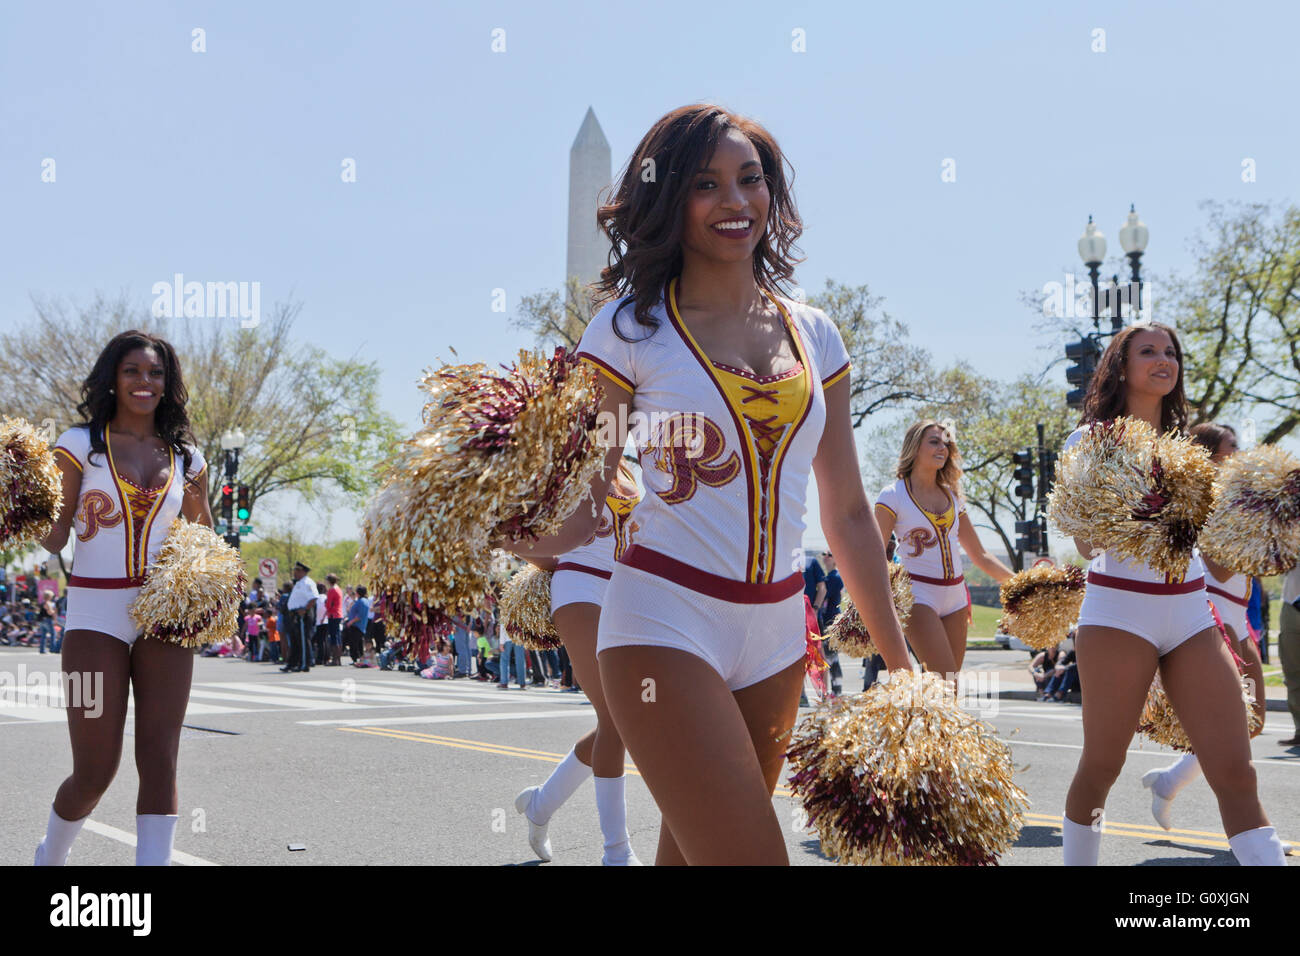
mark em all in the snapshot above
pixel 1117 667
pixel 1203 686
pixel 160 677
pixel 929 641
pixel 96 676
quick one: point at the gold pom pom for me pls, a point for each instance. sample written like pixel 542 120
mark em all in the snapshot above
pixel 1255 527
pixel 848 633
pixel 526 610
pixel 512 453
pixel 192 590
pixel 1131 491
pixel 901 776
pixel 1161 725
pixel 1041 603
pixel 31 487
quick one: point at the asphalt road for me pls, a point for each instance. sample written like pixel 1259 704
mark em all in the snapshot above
pixel 372 767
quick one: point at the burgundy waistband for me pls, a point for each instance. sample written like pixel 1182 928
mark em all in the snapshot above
pixel 575 566
pixel 1145 587
pixel 104 584
pixel 1242 602
pixel 713 585
pixel 942 582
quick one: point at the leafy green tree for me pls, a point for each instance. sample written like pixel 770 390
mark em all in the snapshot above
pixel 312 421
pixel 1239 318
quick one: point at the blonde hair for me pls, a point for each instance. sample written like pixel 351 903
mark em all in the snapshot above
pixel 949 476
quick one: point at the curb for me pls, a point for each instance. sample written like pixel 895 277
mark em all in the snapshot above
pixel 1274 704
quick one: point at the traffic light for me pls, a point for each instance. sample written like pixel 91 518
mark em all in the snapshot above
pixel 227 502
pixel 1024 473
pixel 1085 353
pixel 1046 473
pixel 245 507
pixel 1029 537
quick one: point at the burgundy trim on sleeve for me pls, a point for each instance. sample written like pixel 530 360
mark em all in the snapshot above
pixel 585 569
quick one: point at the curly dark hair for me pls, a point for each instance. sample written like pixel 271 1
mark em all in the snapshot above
pixel 1107 395
pixel 644 220
pixel 99 404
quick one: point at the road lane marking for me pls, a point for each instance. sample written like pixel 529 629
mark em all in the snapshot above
pixel 484 746
pixel 451 718
pixel 1162 754
pixel 121 836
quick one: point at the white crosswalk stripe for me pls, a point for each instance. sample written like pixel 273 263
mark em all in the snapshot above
pixel 39 702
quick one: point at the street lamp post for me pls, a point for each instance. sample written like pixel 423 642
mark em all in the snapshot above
pixel 1092 249
pixel 231 443
pixel 1133 237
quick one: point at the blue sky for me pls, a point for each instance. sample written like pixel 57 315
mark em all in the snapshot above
pixel 225 165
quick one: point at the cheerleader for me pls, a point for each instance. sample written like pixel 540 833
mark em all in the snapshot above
pixel 1135 620
pixel 128 471
pixel 1229 594
pixel 578 583
pixel 925 509
pixel 737 395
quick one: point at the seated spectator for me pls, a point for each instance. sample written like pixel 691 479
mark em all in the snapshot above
pixel 1065 674
pixel 441 666
pixel 1042 666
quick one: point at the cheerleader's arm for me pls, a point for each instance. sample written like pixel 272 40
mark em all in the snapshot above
pixel 1216 569
pixel 70 474
pixel 851 530
pixel 974 548
pixel 194 506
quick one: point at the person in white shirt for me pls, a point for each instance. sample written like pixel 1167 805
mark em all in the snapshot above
pixel 302 619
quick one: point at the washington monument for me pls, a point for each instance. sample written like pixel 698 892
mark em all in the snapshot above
pixel 589 174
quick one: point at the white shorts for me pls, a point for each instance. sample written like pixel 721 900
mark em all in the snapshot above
pixel 744 643
pixel 102 610
pixel 571 586
pixel 1231 613
pixel 943 599
pixel 1164 620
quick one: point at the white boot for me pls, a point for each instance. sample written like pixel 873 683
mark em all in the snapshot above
pixel 537 804
pixel 154 834
pixel 1082 843
pixel 59 834
pixel 1167 783
pixel 611 807
pixel 1258 847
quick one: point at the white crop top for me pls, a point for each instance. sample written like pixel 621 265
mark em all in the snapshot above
pixel 725 493
pixel 119 525
pixel 927 543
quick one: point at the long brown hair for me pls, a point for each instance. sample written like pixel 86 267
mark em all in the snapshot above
pixel 949 475
pixel 644 219
pixel 1107 394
